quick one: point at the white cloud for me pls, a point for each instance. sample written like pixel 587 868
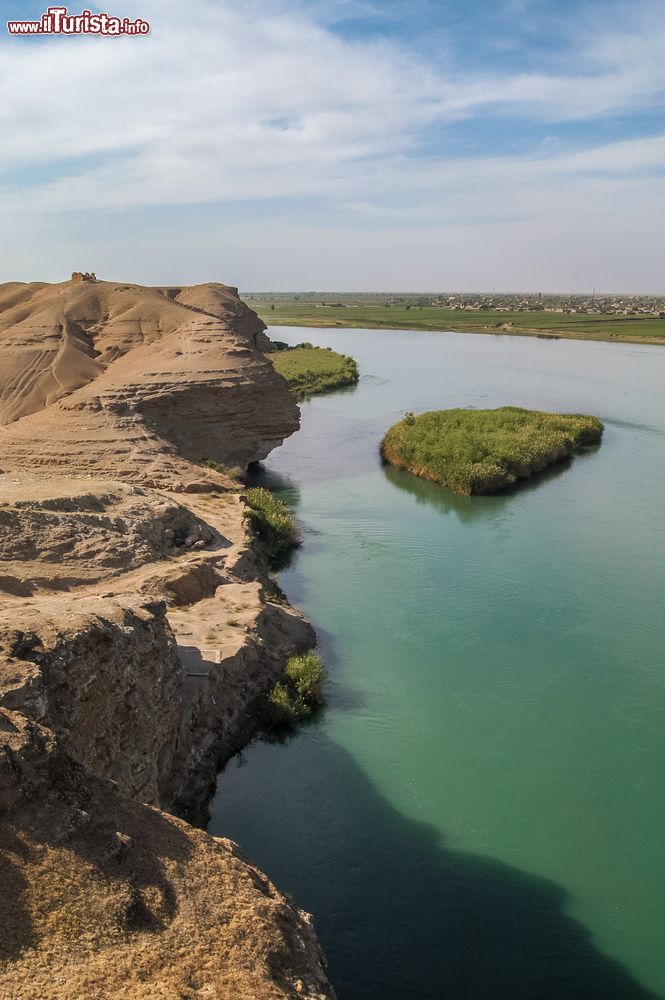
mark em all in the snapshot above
pixel 223 104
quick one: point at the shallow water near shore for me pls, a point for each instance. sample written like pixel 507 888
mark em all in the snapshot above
pixel 478 812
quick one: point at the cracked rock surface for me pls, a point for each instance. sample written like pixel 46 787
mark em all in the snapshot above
pixel 139 633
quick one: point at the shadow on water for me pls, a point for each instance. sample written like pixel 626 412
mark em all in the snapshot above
pixel 338 390
pixel 402 915
pixel 260 475
pixel 477 507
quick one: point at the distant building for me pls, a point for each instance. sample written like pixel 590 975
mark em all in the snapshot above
pixel 84 276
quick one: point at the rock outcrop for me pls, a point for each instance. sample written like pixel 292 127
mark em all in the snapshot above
pixel 107 682
pixel 133 381
pixel 139 634
pixel 105 898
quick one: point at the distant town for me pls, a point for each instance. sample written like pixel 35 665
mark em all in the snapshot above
pixel 608 305
pixel 592 304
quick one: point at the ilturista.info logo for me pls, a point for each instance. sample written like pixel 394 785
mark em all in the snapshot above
pixel 58 21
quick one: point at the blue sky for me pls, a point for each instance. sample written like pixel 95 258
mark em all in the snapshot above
pixel 341 144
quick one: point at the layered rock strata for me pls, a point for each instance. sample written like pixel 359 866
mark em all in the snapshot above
pixel 139 634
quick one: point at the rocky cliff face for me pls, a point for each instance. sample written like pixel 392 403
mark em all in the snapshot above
pixel 137 638
pixel 107 682
pixel 106 898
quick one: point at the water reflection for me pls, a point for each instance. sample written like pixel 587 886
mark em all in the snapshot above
pixel 472 508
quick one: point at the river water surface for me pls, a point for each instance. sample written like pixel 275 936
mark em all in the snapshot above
pixel 479 812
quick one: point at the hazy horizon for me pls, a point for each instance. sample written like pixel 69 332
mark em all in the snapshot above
pixel 397 292
pixel 446 291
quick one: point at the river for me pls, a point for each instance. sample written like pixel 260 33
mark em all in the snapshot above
pixel 479 812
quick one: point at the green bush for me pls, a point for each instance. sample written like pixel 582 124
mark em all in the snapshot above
pixel 293 698
pixel 306 675
pixel 483 451
pixel 284 707
pixel 271 521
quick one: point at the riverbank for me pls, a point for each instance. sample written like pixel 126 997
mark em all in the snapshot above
pixel 285 311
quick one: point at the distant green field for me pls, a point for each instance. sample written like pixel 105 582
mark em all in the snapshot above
pixel 310 370
pixel 291 312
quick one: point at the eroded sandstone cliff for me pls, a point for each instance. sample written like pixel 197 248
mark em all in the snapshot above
pixel 105 898
pixel 139 632
pixel 135 382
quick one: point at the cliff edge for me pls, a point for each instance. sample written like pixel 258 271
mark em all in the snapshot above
pixel 139 632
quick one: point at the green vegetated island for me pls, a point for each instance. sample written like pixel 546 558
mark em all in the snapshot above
pixel 310 370
pixel 644 324
pixel 484 451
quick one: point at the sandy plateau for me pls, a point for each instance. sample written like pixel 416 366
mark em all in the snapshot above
pixel 139 632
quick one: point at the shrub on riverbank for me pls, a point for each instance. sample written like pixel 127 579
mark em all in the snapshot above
pixel 293 698
pixel 271 521
pixel 483 451
pixel 310 370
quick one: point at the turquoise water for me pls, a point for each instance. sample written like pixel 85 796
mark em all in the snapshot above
pixel 479 812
